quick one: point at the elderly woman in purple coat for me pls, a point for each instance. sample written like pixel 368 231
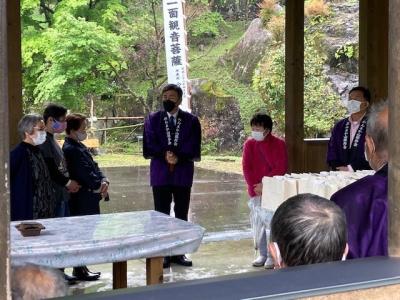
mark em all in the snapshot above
pixel 172 139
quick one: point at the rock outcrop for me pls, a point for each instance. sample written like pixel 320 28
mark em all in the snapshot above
pixel 245 56
pixel 219 115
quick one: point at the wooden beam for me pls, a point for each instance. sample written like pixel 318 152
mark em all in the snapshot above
pixel 120 280
pixel 154 270
pixel 373 51
pixel 294 84
pixel 4 154
pixel 14 69
pixel 394 132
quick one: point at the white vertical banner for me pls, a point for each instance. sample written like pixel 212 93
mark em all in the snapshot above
pixel 176 47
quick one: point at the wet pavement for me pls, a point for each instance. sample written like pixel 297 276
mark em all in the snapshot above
pixel 218 203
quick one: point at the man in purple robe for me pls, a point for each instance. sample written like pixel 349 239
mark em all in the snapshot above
pixel 365 201
pixel 346 146
pixel 172 140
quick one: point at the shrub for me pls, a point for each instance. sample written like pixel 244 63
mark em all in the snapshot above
pixel 205 27
pixel 316 8
pixel 321 104
pixel 267 10
pixel 277 27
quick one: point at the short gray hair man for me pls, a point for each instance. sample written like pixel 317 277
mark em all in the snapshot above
pixel 377 136
pixel 307 229
pixel 31 282
pixel 27 123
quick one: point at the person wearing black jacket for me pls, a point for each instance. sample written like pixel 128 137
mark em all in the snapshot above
pixel 54 117
pixel 83 169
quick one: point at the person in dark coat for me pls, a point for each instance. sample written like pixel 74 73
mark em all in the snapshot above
pixel 346 145
pixel 83 169
pixel 32 194
pixel 54 118
pixel 172 140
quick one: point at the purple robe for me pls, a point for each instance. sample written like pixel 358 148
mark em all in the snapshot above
pixel 341 153
pixel 364 203
pixel 185 144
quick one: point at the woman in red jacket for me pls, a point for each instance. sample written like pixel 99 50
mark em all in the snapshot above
pixel 263 155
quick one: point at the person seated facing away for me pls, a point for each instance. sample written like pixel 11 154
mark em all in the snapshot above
pixel 307 229
pixel 32 282
pixel 365 201
pixel 346 145
pixel 263 155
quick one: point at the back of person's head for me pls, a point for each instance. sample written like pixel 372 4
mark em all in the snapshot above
pixel 307 229
pixel 378 126
pixel 54 111
pixel 364 90
pixel 261 119
pixel 31 282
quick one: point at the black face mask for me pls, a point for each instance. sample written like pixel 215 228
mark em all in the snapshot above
pixel 169 105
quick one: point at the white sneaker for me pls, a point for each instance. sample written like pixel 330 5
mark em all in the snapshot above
pixel 269 263
pixel 260 261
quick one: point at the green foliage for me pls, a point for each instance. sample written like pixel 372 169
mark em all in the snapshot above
pixel 71 59
pixel 210 147
pixel 321 104
pixel 269 80
pixel 81 60
pixel 221 74
pixel 78 50
pixel 205 27
pixel 347 50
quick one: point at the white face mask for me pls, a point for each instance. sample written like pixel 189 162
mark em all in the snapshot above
pixel 39 138
pixel 353 106
pixel 81 136
pixel 257 135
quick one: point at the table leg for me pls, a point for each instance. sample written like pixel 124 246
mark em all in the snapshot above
pixel 120 275
pixel 154 270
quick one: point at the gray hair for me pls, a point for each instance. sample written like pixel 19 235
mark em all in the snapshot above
pixel 309 229
pixel 377 128
pixel 37 282
pixel 27 123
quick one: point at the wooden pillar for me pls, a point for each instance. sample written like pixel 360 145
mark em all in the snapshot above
pixel 14 69
pixel 373 52
pixel 294 84
pixel 4 195
pixel 394 132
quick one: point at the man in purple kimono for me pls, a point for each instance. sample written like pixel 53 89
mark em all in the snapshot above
pixel 346 146
pixel 172 139
pixel 365 201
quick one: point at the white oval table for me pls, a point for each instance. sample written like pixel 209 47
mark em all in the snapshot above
pixel 108 238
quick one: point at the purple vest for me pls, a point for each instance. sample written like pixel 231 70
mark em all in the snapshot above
pixel 185 143
pixel 341 153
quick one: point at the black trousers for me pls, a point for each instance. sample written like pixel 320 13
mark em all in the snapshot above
pixel 163 197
